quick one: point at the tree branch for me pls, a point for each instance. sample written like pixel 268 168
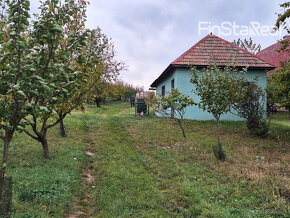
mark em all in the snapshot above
pixel 32 136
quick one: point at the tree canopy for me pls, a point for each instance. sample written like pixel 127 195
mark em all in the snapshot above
pixel 248 45
pixel 173 105
pixel 48 65
pixel 278 87
pixel 282 17
pixel 218 88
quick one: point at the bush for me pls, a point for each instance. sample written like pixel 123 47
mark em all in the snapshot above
pixel 257 127
pixel 249 106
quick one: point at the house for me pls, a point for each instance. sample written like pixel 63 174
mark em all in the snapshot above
pixel 274 55
pixel 210 48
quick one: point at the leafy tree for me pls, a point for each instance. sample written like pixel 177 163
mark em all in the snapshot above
pixel 278 87
pixel 40 62
pixel 130 90
pixel 249 105
pixel 150 96
pixel 281 20
pixel 109 68
pixel 218 89
pixel 248 45
pixel 101 91
pixel 125 90
pixel 173 105
pixel 91 63
pixel 18 83
pixel 120 90
pixel 116 90
pixel 55 51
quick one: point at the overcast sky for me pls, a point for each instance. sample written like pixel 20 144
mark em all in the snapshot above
pixel 150 34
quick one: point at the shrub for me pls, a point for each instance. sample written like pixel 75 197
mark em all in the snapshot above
pixel 249 105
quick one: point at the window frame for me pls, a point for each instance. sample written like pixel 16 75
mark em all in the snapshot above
pixel 163 91
pixel 173 83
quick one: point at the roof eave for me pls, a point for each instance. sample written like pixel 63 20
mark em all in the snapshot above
pixel 173 66
pixel 262 68
pixel 163 74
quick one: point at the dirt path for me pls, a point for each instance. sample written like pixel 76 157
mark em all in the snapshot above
pixel 81 206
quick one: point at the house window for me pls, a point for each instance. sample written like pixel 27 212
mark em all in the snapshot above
pixel 163 90
pixel 172 84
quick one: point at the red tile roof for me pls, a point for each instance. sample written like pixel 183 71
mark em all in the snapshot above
pixel 272 54
pixel 213 49
pixel 223 53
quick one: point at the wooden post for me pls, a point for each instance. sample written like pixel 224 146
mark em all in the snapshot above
pixel 148 109
pixel 6 203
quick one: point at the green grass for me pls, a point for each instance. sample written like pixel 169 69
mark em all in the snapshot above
pixel 280 125
pixel 44 188
pixel 143 167
pixel 182 177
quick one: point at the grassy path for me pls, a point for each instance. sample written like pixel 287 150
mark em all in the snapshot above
pixel 116 165
pixel 142 168
pixel 124 186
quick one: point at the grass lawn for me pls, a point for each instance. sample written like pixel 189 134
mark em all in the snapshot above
pixel 143 167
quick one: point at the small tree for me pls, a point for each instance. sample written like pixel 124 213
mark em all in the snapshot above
pixel 15 73
pixel 218 89
pixel 101 91
pixel 96 64
pixel 173 105
pixel 249 105
pixel 54 52
pixel 130 90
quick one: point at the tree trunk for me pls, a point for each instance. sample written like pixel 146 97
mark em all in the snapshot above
pixel 289 113
pixel 218 133
pixel 181 127
pixel 45 149
pixel 98 101
pixel 43 140
pixel 218 150
pixel 7 140
pixel 62 130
